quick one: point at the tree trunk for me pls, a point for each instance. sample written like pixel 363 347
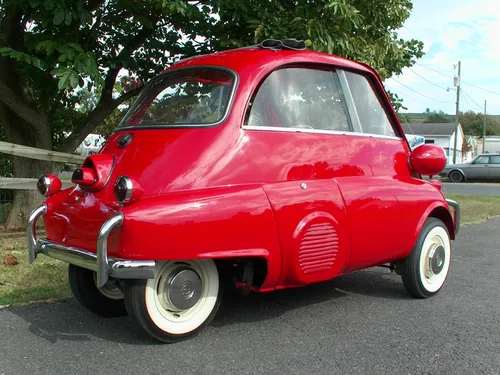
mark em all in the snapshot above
pixel 17 129
pixel 25 200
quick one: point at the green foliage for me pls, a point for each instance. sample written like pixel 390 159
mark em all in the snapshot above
pixel 72 47
pixel 437 117
pixel 473 124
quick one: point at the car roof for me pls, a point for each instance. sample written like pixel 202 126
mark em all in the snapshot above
pixel 241 59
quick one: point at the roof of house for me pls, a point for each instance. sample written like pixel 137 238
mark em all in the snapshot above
pixel 430 129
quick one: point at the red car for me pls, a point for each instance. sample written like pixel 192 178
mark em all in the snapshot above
pixel 263 168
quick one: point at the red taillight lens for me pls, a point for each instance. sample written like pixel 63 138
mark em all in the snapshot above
pixel 84 176
pixel 49 185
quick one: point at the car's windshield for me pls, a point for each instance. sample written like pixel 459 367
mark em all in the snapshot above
pixel 185 97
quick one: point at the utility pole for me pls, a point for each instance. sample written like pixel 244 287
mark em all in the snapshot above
pixel 457 84
pixel 484 126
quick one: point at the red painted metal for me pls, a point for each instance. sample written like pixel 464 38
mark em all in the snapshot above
pixel 428 159
pixel 313 205
pixel 102 165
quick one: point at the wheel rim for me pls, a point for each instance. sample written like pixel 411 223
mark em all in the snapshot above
pixel 435 259
pixel 109 290
pixel 455 176
pixel 182 295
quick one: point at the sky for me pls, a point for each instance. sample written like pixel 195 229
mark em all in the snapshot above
pixel 452 31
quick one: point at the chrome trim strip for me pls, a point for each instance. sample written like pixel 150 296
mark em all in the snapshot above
pixel 319 131
pixel 32 243
pixel 351 107
pixel 456 207
pixel 99 262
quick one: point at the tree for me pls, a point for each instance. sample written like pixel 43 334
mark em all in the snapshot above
pixel 473 124
pixel 437 117
pixel 51 50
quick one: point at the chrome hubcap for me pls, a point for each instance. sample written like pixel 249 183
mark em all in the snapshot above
pixel 110 289
pixel 181 289
pixel 436 259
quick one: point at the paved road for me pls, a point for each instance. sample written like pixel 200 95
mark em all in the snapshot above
pixel 471 188
pixel 362 323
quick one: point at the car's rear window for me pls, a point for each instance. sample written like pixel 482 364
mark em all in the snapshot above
pixel 186 97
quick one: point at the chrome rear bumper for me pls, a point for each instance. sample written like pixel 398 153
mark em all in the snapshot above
pixel 100 263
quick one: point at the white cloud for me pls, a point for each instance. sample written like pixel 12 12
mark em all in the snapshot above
pixel 452 31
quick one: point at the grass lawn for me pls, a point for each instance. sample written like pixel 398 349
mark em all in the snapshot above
pixel 476 209
pixel 46 278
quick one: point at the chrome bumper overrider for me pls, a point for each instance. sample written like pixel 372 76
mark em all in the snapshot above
pixel 456 220
pixel 100 263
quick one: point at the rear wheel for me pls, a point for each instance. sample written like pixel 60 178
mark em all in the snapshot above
pixel 456 176
pixel 106 301
pixel 426 268
pixel 179 302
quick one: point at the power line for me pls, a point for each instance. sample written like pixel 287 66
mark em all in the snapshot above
pixel 434 70
pixel 466 83
pixel 473 101
pixel 425 79
pixel 406 95
pixel 425 96
pixel 467 100
pixel 480 88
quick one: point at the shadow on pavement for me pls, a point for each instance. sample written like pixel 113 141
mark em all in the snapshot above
pixel 68 321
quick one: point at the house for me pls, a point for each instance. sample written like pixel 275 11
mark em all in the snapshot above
pixel 441 134
pixel 492 144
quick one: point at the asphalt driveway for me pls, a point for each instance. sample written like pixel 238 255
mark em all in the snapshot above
pixel 472 188
pixel 363 323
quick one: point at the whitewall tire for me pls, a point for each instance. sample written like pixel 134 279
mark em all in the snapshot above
pixel 179 302
pixel 426 268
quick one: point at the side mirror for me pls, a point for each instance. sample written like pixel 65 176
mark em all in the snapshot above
pixel 427 159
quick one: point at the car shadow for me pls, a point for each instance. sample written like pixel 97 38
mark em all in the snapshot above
pixel 237 308
pixel 67 321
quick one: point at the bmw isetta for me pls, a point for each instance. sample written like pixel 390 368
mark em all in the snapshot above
pixel 262 168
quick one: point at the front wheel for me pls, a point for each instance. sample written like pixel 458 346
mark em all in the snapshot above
pixel 179 302
pixel 426 268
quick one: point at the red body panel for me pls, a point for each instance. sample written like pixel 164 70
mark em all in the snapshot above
pixel 313 205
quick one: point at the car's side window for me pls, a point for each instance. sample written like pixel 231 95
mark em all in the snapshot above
pixel 299 97
pixel 371 114
pixel 482 160
pixel 495 159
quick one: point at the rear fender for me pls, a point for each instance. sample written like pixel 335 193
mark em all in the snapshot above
pixel 228 222
pixel 439 210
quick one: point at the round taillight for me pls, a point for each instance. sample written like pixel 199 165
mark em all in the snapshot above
pixel 123 189
pixel 48 185
pixel 127 190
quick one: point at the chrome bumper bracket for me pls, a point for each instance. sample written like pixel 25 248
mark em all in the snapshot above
pixel 100 263
pixel 456 208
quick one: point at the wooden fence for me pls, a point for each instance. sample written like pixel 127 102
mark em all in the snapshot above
pixel 12 183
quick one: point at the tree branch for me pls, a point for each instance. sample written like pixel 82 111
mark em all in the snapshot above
pixel 128 95
pixel 21 108
pixel 96 117
pixel 133 43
